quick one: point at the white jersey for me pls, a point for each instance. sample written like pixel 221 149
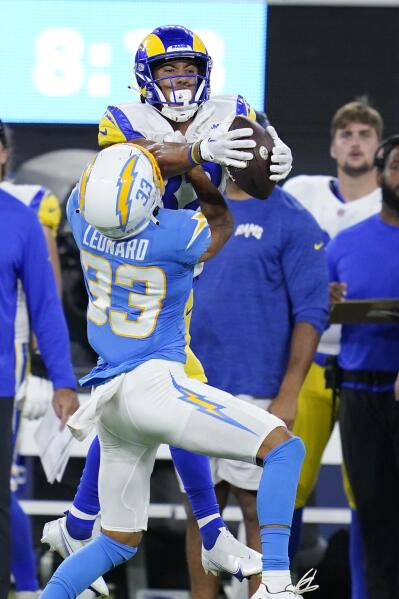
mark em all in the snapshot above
pixel 125 122
pixel 47 207
pixel 316 194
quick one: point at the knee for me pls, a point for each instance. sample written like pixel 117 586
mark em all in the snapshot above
pixel 292 447
pixel 132 539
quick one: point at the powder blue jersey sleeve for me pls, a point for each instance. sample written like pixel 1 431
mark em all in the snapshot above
pixel 195 237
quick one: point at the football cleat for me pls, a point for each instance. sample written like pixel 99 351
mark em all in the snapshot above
pixel 27 594
pixel 304 585
pixel 56 535
pixel 231 556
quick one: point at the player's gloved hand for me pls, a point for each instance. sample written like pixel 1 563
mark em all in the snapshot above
pixel 38 395
pixel 281 157
pixel 228 147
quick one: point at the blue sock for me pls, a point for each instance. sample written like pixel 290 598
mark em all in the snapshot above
pixel 80 519
pixel 77 572
pixel 195 472
pixel 296 530
pixel 276 500
pixel 356 559
pixel 23 558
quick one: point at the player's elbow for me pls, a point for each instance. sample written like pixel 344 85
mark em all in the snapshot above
pixel 220 234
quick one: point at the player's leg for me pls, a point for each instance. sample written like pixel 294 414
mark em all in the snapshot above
pixel 86 506
pixel 313 424
pixel 202 585
pixel 23 562
pixel 247 502
pixel 203 419
pixel 80 519
pixel 194 470
pixel 243 480
pixel 6 406
pixel 369 458
pixel 356 548
pixel 71 532
pixel 23 557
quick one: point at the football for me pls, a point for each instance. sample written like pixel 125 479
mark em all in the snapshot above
pixel 254 179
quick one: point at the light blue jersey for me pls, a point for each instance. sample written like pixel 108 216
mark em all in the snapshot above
pixel 138 288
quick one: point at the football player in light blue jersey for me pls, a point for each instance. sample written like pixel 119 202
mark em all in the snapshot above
pixel 142 396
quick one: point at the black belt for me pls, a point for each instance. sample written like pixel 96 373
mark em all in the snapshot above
pixel 369 377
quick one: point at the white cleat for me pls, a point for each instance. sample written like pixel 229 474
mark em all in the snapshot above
pixel 27 594
pixel 304 585
pixel 56 535
pixel 231 556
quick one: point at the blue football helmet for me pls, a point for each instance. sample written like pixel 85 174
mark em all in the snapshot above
pixel 166 43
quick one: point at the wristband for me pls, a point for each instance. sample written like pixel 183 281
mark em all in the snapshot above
pixel 37 366
pixel 194 154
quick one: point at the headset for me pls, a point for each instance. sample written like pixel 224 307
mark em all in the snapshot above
pixel 384 149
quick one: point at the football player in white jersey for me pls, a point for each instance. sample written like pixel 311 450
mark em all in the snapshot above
pixel 182 126
pixel 336 203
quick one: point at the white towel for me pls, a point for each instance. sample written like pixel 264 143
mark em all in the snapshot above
pixel 82 422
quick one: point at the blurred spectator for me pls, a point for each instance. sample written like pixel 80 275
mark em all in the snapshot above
pixel 336 203
pixel 364 263
pixel 269 285
pixel 24 258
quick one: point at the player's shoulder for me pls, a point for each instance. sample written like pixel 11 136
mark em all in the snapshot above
pixel 178 218
pixel 224 105
pixel 124 122
pixel 30 195
pixel 183 225
pixel 132 110
pixel 304 184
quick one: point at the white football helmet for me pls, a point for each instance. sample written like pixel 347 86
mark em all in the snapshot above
pixel 120 189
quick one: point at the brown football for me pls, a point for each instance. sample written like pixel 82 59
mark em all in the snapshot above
pixel 254 179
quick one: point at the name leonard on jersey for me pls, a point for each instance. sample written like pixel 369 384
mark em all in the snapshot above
pixel 134 249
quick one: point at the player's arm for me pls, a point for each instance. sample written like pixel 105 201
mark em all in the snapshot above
pixel 228 148
pixel 304 340
pixel 215 210
pixel 306 275
pixel 47 318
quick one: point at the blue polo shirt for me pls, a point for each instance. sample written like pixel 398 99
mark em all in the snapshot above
pixel 366 257
pixel 269 276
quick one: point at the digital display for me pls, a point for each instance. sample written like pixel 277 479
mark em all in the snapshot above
pixel 64 61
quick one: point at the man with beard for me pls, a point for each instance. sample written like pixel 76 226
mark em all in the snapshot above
pixel 336 203
pixel 364 261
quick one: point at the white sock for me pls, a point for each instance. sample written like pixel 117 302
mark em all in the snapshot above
pixel 203 521
pixel 276 580
pixel 82 515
